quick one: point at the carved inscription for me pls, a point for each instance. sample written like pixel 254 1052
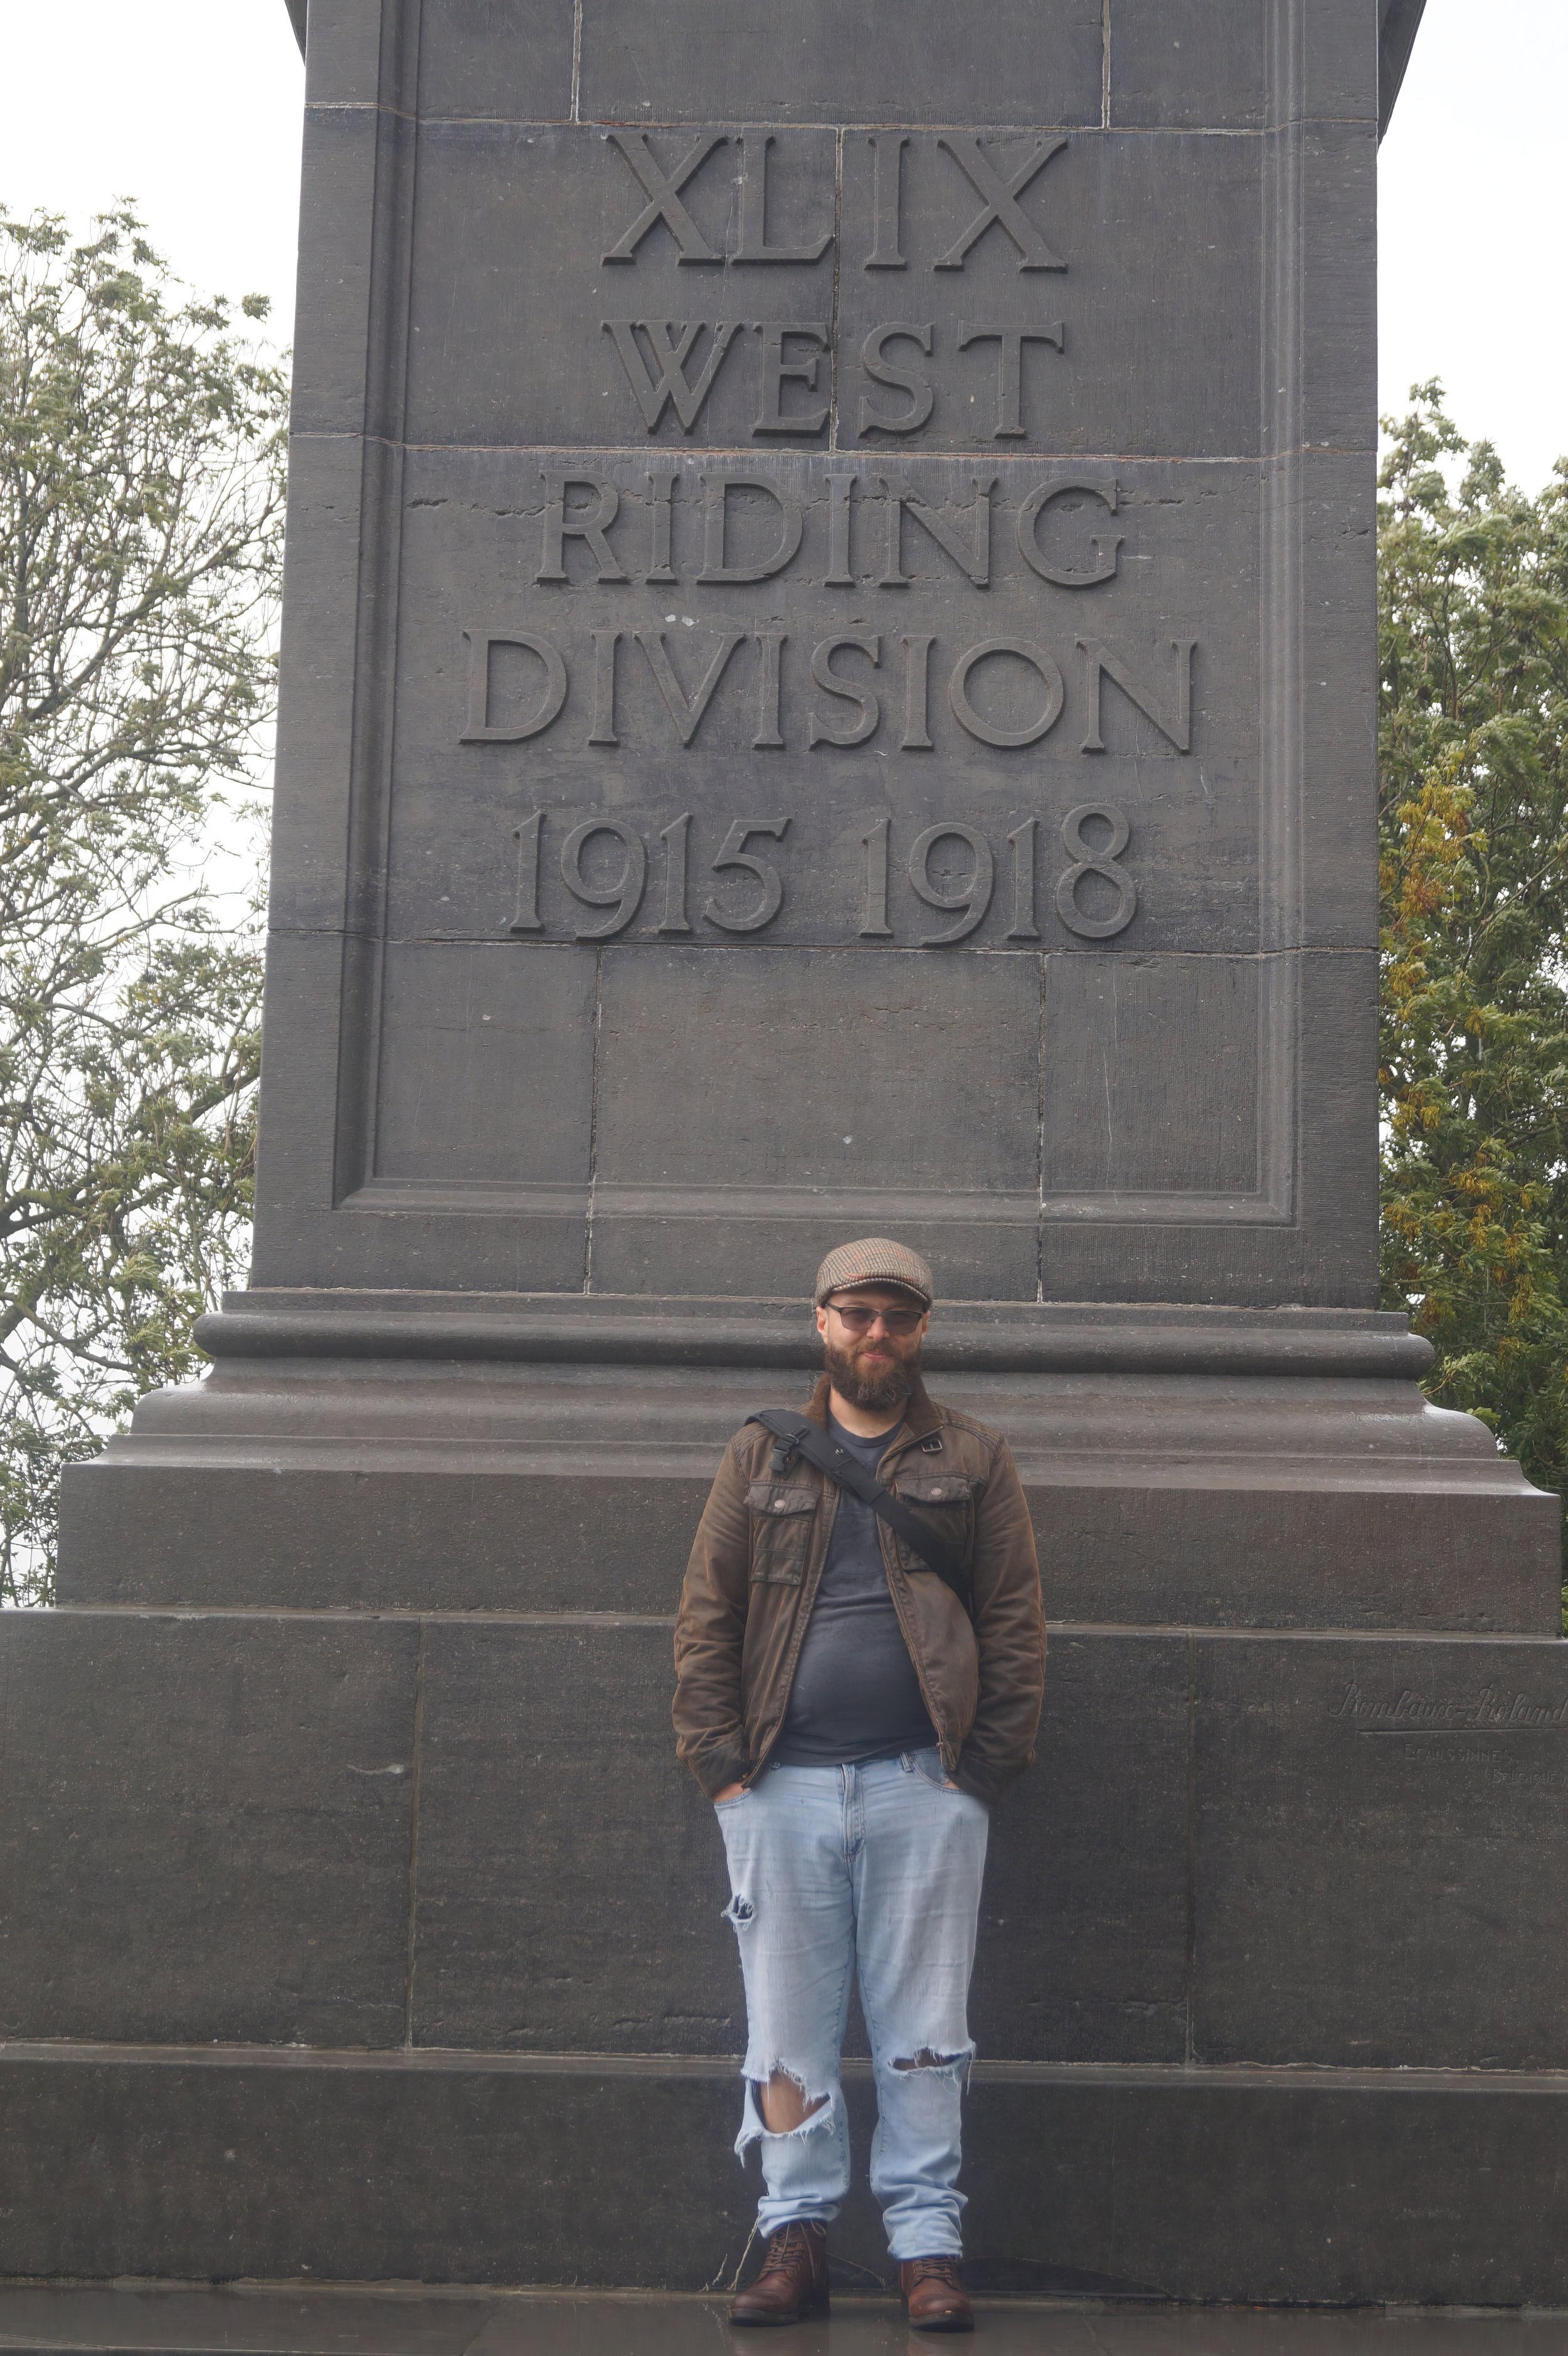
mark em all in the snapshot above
pixel 670 367
pixel 963 890
pixel 662 187
pixel 673 365
pixel 1480 1736
pixel 657 617
pixel 866 529
pixel 823 685
pixel 854 680
pixel 1485 1710
pixel 1090 862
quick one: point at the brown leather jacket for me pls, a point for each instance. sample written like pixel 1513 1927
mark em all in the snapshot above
pixel 756 1565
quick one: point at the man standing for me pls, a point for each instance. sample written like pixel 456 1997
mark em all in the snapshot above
pixel 854 1712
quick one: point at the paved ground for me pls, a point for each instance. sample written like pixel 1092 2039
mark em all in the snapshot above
pixel 148 2320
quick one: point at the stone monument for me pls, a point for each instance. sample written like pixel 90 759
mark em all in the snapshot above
pixel 828 688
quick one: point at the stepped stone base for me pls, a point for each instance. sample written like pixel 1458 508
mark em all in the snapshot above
pixel 1249 2185
pixel 359 1921
pixel 1242 1468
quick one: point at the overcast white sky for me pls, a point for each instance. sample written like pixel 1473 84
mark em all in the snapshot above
pixel 1473 205
pixel 192 106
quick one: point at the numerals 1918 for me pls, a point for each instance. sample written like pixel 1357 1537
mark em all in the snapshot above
pixel 749 906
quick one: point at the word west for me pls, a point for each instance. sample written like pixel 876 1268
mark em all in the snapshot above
pixel 668 367
pixel 751 905
pixel 671 367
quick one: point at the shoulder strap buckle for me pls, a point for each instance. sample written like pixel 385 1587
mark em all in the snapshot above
pixel 795 1436
pixel 788 1432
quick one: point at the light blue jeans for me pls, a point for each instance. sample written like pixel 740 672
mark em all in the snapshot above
pixel 879 1868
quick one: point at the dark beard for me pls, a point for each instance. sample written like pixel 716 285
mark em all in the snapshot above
pixel 873 1387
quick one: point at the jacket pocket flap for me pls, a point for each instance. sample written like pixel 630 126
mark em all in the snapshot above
pixel 773 1497
pixel 953 1491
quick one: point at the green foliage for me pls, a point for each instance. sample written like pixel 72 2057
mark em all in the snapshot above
pixel 1473 811
pixel 141 503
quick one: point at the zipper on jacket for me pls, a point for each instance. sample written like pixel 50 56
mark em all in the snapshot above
pixel 918 1665
pixel 885 1540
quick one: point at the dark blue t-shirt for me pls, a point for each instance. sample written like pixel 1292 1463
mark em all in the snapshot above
pixel 855 1696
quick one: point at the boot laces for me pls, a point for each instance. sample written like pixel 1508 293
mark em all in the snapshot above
pixel 790 2249
pixel 939 2269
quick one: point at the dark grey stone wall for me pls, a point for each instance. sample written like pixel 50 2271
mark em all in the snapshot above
pixel 392 1950
pixel 874 770
pixel 472 1835
pixel 1252 2185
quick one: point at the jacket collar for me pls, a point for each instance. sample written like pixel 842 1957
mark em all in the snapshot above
pixel 921 1416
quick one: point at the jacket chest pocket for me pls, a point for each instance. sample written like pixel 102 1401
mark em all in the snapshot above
pixel 783 1516
pixel 942 1503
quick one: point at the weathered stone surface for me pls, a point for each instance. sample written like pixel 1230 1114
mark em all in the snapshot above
pixel 1197 1468
pixel 1249 2185
pixel 1439 1769
pixel 206 1828
pixel 484 1079
pixel 974 61
pixel 1083 1936
pixel 1231 1548
pixel 292 1845
pixel 496 57
pixel 1186 63
pixel 571 1876
pixel 984 587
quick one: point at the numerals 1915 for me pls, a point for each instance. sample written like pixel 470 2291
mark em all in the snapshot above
pixel 751 904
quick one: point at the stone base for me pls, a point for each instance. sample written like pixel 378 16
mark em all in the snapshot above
pixel 1245 2185
pixel 470 1832
pixel 359 1920
pixel 1243 1468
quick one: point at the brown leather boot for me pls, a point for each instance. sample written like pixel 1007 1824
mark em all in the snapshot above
pixel 793 2284
pixel 934 2296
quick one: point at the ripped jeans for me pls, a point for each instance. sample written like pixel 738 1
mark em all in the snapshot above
pixel 876 1869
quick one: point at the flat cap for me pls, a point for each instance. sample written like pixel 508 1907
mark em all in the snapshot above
pixel 874 1261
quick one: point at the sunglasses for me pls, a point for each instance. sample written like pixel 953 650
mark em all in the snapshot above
pixel 894 1320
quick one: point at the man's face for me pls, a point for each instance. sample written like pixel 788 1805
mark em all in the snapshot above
pixel 867 1362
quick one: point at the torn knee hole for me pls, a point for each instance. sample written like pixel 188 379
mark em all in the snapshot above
pixel 785 2104
pixel 739 1912
pixel 926 2060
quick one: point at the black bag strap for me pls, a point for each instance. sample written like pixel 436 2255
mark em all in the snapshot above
pixel 797 1437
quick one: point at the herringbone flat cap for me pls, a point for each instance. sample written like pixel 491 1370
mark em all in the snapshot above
pixel 874 1261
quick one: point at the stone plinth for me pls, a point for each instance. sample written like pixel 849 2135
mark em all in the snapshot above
pixel 828 688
